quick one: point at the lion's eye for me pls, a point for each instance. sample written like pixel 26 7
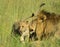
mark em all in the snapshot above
pixel 42 18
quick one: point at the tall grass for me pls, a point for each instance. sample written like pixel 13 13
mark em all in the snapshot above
pixel 12 10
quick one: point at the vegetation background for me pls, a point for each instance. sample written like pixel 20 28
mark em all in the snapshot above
pixel 12 10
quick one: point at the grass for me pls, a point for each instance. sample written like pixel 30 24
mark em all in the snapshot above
pixel 12 10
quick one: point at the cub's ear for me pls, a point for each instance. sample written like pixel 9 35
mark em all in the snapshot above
pixel 27 22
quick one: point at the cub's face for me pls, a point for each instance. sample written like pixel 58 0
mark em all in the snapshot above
pixel 24 26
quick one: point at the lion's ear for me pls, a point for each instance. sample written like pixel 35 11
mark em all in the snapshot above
pixel 43 18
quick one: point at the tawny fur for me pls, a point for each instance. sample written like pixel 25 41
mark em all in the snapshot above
pixel 46 23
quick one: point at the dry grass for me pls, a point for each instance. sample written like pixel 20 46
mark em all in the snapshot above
pixel 12 10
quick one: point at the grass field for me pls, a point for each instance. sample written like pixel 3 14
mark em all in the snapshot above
pixel 12 10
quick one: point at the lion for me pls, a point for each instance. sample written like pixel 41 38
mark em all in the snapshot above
pixel 28 28
pixel 24 28
pixel 21 28
pixel 47 24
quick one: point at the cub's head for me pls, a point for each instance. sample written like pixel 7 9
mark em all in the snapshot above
pixel 24 26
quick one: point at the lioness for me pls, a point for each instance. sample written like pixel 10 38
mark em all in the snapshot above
pixel 32 30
